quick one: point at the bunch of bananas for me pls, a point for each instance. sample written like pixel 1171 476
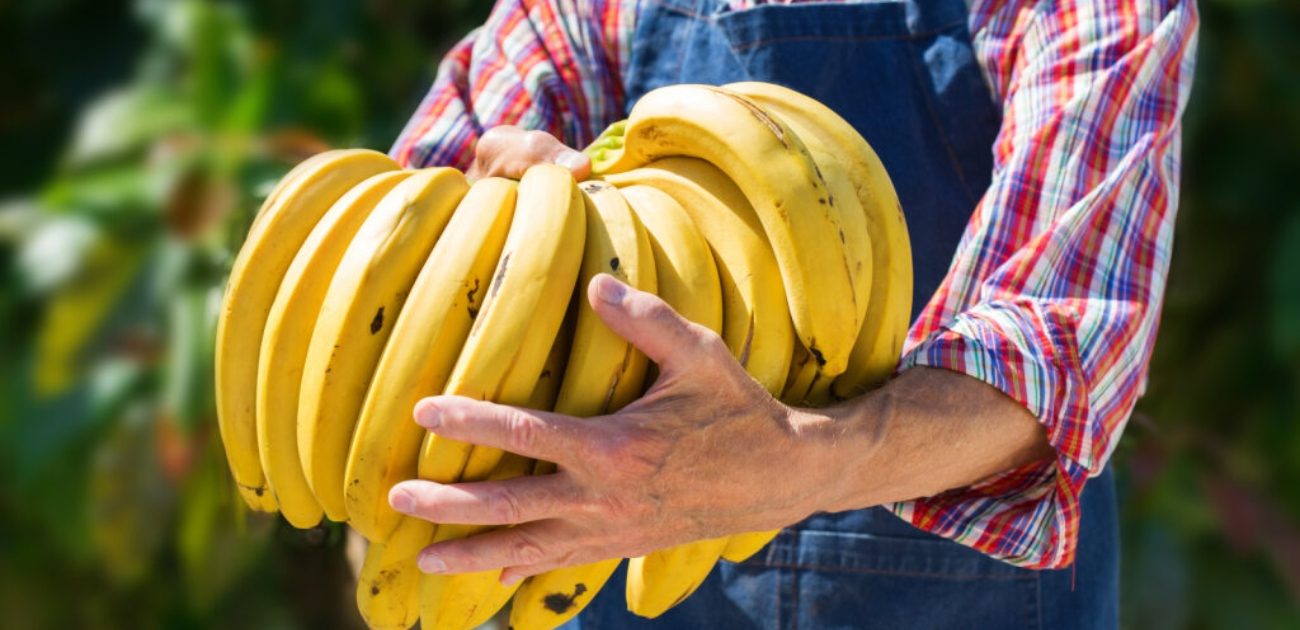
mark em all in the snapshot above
pixel 362 287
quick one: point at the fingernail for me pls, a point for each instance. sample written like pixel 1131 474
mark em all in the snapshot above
pixel 430 563
pixel 572 160
pixel 510 579
pixel 427 414
pixel 402 501
pixel 611 291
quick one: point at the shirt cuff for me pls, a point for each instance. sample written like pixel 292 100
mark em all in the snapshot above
pixel 1028 516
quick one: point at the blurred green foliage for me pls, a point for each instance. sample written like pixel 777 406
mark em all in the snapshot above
pixel 139 138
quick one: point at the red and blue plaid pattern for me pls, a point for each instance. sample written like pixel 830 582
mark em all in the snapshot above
pixel 1054 293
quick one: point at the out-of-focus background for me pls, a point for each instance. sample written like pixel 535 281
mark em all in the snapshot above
pixel 138 139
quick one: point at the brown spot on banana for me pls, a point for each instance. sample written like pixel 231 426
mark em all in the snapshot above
pixel 500 275
pixel 471 304
pixel 817 354
pixel 377 323
pixel 560 603
pixel 758 113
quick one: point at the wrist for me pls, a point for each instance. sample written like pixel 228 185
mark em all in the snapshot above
pixel 838 448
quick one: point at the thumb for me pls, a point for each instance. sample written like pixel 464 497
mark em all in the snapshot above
pixel 648 323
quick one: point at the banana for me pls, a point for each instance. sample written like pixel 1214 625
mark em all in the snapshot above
pixel 684 267
pixel 432 327
pixel 388 586
pixel 364 298
pixel 468 600
pixel 479 596
pixel 756 325
pixel 880 340
pixel 796 208
pixel 604 373
pixel 507 350
pixel 601 361
pixel 757 330
pixel 548 382
pixel 511 336
pixel 281 226
pixel 690 284
pixel 803 371
pixel 392 598
pixel 288 333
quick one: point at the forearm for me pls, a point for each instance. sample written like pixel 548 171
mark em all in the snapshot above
pixel 927 431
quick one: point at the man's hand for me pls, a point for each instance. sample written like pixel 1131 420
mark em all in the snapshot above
pixel 508 151
pixel 706 452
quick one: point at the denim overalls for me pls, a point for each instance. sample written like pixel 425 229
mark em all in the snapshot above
pixel 904 74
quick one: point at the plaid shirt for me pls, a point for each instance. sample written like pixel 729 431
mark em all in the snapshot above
pixel 1055 290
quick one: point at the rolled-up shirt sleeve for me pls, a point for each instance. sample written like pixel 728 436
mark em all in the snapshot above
pixel 553 65
pixel 1054 293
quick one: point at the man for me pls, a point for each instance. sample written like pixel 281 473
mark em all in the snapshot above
pixel 1034 145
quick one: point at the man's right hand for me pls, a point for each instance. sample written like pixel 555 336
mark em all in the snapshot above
pixel 507 151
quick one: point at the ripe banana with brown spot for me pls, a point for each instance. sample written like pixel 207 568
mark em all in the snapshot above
pixel 512 334
pixel 283 223
pixel 388 586
pixel 363 300
pixel 604 373
pixel 468 600
pixel 288 334
pixel 428 336
pixel 690 284
pixel 796 208
pixel 503 358
pixel 880 340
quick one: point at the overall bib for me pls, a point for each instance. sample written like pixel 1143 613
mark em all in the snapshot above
pixel 904 74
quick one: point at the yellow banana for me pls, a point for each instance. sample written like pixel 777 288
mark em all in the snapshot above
pixel 548 382
pixel 468 600
pixel 684 267
pixel 796 208
pixel 803 371
pixel 364 298
pixel 511 336
pixel 281 226
pixel 388 593
pixel 689 283
pixel 288 333
pixel 604 373
pixel 482 594
pixel 388 586
pixel 431 328
pixel 507 350
pixel 880 339
pixel 889 313
pixel 756 325
pixel 757 329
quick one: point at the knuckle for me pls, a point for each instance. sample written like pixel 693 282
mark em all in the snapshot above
pixel 710 342
pixel 503 506
pixel 523 432
pixel 537 141
pixel 496 135
pixel 628 453
pixel 524 550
